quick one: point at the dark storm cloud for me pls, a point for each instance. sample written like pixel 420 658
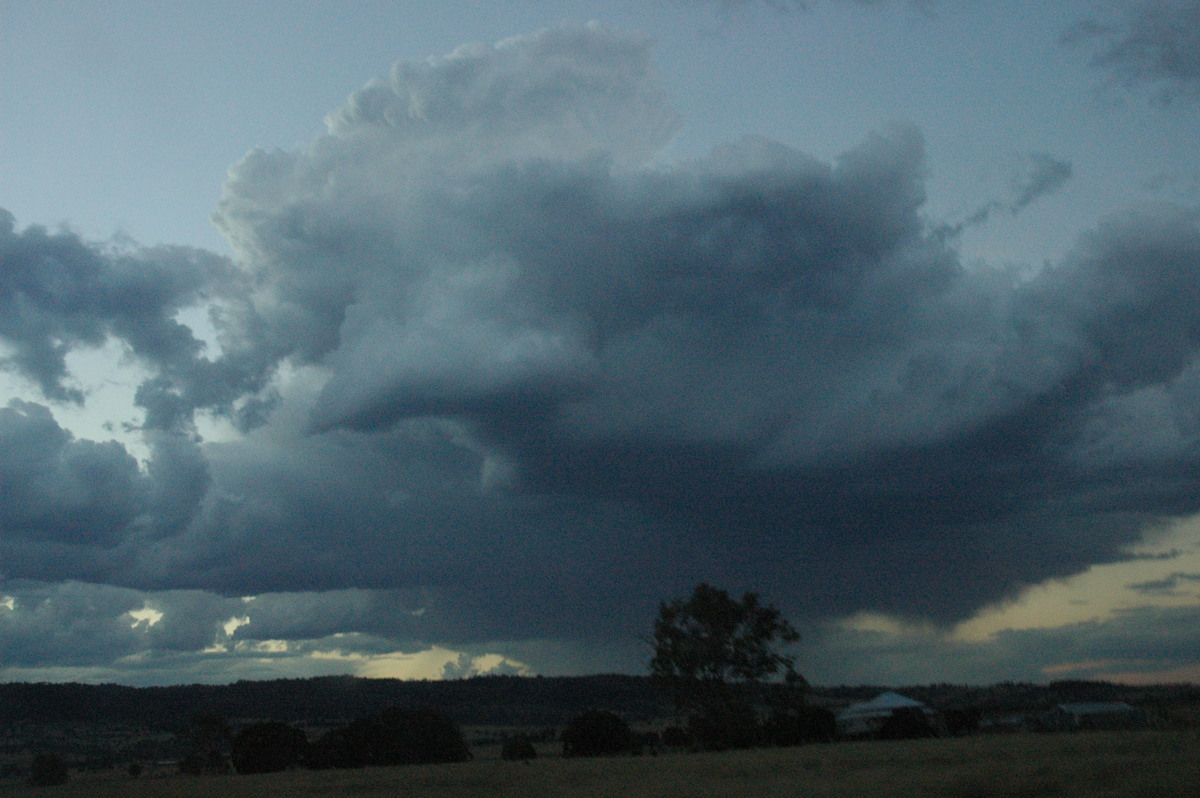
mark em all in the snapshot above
pixel 1157 43
pixel 533 381
pixel 58 293
pixel 776 354
pixel 81 509
pixel 92 623
pixel 58 488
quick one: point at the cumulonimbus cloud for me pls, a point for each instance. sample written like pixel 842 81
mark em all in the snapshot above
pixel 529 368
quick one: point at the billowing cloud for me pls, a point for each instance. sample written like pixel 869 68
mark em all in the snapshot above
pixel 1157 44
pixel 501 373
pixel 58 294
pixel 776 352
pixel 61 489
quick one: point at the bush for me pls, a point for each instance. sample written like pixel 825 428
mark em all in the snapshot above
pixel 516 748
pixel 393 737
pixel 597 733
pixel 48 770
pixel 268 748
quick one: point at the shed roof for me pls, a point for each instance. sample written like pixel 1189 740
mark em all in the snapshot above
pixel 882 704
pixel 1096 707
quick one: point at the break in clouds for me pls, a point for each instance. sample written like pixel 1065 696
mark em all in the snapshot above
pixel 499 372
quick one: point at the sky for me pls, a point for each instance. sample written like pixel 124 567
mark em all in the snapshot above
pixel 434 339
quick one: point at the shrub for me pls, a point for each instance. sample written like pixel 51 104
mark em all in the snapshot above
pixel 268 748
pixel 516 748
pixel 393 737
pixel 597 733
pixel 417 737
pixel 48 770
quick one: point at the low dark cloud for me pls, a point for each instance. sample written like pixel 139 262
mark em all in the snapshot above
pixel 61 489
pixel 499 376
pixel 1169 585
pixel 1145 644
pixel 1157 43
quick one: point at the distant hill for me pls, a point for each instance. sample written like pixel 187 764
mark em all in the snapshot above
pixel 492 700
pixel 484 700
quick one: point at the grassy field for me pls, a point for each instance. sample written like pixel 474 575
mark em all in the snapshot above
pixel 1141 764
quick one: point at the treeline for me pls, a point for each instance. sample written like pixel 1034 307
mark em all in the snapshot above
pixel 491 700
pixel 484 700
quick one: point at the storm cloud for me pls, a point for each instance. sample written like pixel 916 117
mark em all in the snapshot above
pixel 500 371
pixel 1157 44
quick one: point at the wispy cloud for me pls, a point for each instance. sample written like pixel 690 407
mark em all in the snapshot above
pixel 1156 43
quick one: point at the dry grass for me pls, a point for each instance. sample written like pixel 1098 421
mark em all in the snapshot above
pixel 1133 764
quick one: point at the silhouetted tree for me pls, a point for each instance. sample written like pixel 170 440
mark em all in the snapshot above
pixel 713 653
pixel 419 736
pixel 597 733
pixel 268 748
pixel 47 770
pixel 517 748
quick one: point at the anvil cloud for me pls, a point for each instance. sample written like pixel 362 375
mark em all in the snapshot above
pixel 497 374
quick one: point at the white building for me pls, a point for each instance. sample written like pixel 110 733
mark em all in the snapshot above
pixel 864 719
pixel 1094 715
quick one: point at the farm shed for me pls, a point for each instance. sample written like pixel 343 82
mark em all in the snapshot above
pixel 1094 715
pixel 866 718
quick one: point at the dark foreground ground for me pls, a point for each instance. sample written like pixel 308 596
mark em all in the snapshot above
pixel 1142 764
